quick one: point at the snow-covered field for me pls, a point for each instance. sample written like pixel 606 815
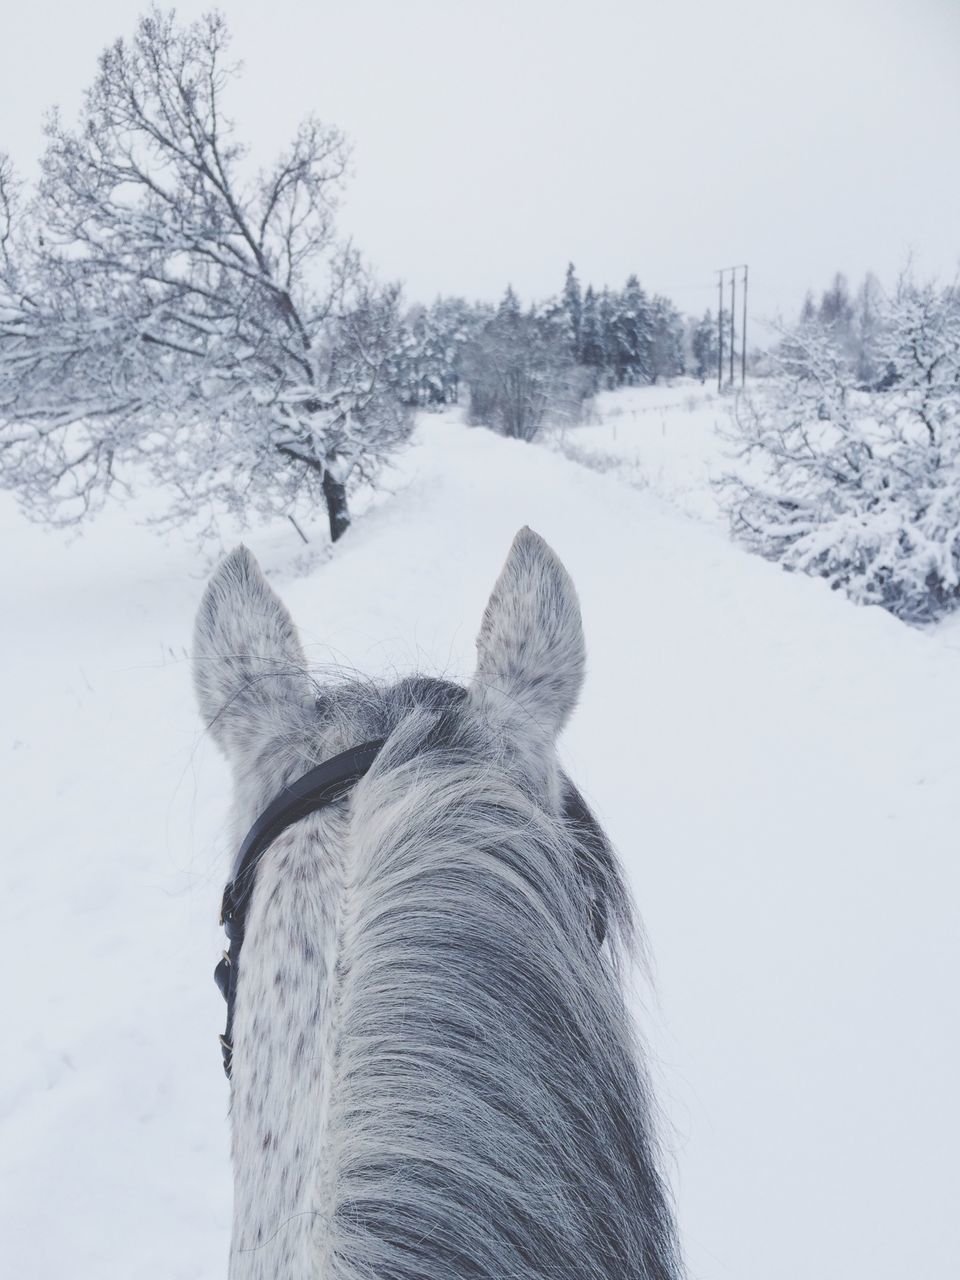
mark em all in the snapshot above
pixel 662 438
pixel 779 769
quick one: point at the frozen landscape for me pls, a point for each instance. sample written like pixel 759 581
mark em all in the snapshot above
pixel 779 769
pixel 369 287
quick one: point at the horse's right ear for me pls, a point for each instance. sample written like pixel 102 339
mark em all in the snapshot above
pixel 248 663
pixel 530 651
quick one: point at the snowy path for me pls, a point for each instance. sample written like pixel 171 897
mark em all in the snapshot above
pixel 778 768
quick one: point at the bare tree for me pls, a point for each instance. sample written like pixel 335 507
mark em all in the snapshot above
pixel 164 308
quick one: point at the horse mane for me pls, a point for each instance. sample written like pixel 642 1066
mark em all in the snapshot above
pixel 489 1115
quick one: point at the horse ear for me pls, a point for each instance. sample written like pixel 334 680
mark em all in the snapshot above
pixel 530 648
pixel 248 663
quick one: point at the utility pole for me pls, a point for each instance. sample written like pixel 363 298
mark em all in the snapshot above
pixel 743 335
pixel 733 326
pixel 733 318
pixel 720 335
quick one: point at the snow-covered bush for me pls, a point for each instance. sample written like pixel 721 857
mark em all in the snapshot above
pixel 860 487
pixel 521 372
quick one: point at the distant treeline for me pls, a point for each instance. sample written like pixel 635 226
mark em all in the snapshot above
pixel 520 363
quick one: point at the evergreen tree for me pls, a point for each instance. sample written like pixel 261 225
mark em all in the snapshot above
pixel 607 320
pixel 592 350
pixel 633 357
pixel 666 339
pixel 455 321
pixel 573 306
pixel 509 304
pixel 704 346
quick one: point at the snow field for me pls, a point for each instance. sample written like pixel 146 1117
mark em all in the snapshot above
pixel 777 768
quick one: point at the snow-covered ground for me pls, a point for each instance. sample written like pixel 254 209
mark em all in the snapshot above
pixel 780 771
pixel 662 438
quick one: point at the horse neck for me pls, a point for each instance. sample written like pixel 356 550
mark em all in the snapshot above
pixel 421 1014
pixel 285 1032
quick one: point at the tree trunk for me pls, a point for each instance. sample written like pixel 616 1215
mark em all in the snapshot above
pixel 334 492
pixel 335 495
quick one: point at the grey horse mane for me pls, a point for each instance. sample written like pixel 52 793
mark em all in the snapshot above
pixel 460 1093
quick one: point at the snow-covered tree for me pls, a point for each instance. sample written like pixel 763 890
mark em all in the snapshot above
pixel 607 319
pixel 704 346
pixel 836 307
pixel 860 487
pixel 9 200
pixel 856 323
pixel 591 337
pixel 521 371
pixel 666 339
pixel 166 308
pixel 918 343
pixel 592 347
pixel 455 322
pixel 632 335
pixel 573 307
pixel 868 321
pixel 429 360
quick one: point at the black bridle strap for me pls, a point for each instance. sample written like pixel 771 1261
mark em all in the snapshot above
pixel 313 791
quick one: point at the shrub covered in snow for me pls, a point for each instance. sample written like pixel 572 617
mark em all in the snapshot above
pixel 861 487
pixel 522 373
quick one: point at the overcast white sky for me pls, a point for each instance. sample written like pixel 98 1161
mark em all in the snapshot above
pixel 494 141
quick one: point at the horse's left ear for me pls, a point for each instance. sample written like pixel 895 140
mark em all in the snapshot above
pixel 530 648
pixel 248 663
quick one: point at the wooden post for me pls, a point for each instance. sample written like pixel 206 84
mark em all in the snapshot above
pixel 297 527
